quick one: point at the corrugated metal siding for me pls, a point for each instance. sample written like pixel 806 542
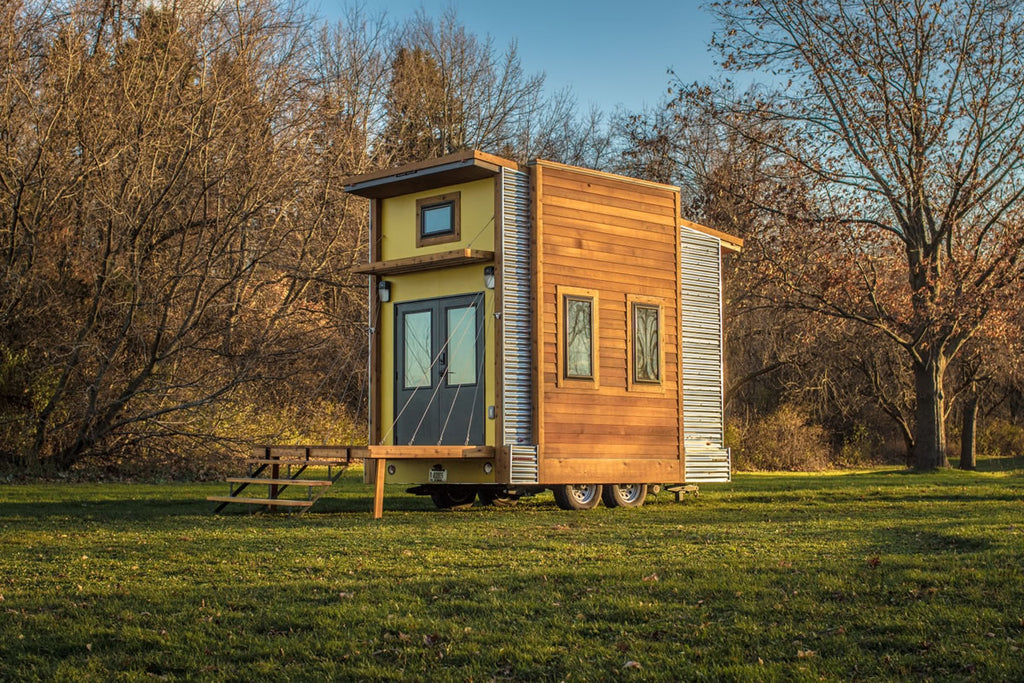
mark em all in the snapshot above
pixel 516 316
pixel 707 459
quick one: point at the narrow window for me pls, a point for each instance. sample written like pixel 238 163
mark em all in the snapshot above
pixel 579 337
pixel 462 334
pixel 646 344
pixel 438 219
pixel 418 351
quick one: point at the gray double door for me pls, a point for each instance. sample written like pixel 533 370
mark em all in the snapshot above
pixel 439 371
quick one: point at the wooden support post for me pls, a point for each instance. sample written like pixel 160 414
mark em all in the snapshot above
pixel 378 487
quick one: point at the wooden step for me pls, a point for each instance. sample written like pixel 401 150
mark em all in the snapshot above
pixel 261 501
pixel 296 461
pixel 285 482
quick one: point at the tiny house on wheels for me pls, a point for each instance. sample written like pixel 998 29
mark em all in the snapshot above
pixel 540 327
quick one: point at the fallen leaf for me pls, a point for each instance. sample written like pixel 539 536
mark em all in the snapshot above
pixel 632 665
pixel 874 561
pixel 805 654
pixel 88 646
pixel 651 578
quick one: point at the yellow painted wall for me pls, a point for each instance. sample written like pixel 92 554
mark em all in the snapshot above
pixel 398 219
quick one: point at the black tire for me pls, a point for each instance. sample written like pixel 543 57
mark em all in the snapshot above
pixel 624 495
pixel 577 496
pixel 454 496
pixel 498 496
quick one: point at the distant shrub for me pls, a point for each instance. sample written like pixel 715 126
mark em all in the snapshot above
pixel 784 440
pixel 1001 437
pixel 861 446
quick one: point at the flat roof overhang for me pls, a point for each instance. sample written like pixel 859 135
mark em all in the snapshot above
pixel 456 168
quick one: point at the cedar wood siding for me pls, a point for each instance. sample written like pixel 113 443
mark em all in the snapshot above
pixel 619 238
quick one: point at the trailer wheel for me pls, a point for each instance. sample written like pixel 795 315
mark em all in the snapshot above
pixel 624 495
pixel 453 496
pixel 577 496
pixel 498 496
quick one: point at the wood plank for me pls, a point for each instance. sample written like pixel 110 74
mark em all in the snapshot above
pixel 378 487
pixel 613 406
pixel 598 257
pixel 561 206
pixel 286 482
pixel 586 243
pixel 609 237
pixel 570 271
pixel 424 262
pixel 373 381
pixel 565 170
pixel 582 205
pixel 619 187
pixel 430 452
pixel 312 462
pixel 611 195
pixel 273 502
pixel 592 223
pixel 539 294
pixel 610 187
pixel 677 343
pixel 557 470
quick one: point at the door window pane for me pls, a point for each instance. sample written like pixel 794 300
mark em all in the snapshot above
pixel 579 337
pixel 462 345
pixel 418 351
pixel 646 358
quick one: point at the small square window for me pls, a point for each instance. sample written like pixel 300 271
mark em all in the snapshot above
pixel 438 219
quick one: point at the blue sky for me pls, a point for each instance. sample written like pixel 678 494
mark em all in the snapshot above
pixel 610 53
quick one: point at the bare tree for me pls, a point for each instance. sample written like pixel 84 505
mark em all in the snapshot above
pixel 159 232
pixel 904 123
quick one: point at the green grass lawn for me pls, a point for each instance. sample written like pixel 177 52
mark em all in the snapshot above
pixel 863 575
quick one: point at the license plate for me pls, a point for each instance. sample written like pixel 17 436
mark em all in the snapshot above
pixel 438 475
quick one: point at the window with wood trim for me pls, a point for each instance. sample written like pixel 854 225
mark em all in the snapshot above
pixel 646 352
pixel 438 219
pixel 578 359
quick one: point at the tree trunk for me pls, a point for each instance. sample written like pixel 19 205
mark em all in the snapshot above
pixel 968 452
pixel 930 444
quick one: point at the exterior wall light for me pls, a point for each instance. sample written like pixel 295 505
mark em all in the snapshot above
pixel 489 277
pixel 384 291
pixel 488 468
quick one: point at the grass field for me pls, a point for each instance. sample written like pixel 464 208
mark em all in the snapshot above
pixel 864 575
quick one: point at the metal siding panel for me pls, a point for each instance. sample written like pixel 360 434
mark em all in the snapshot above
pixel 706 458
pixel 517 309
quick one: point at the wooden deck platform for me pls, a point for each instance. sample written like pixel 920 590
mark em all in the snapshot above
pixel 281 467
